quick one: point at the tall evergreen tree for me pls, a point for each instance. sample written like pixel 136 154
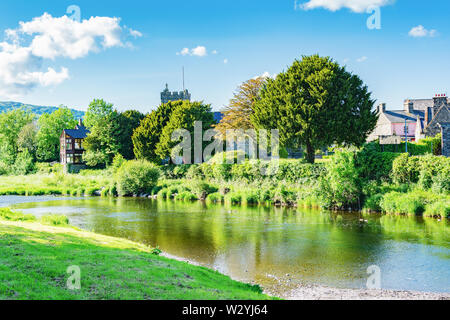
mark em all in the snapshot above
pixel 184 117
pixel 314 104
pixel 129 121
pixel 147 135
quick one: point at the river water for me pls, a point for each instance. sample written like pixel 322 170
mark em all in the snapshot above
pixel 277 248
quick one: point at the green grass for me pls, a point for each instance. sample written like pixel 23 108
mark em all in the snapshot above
pixel 34 259
pixel 416 202
pixel 55 184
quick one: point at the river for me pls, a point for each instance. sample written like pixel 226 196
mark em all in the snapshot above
pixel 278 248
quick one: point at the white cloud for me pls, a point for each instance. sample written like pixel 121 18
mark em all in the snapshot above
pixel 362 59
pixel 199 51
pixel 225 61
pixel 359 6
pixel 64 37
pixel 135 33
pixel 420 32
pixel 183 52
pixel 26 48
pixel 215 52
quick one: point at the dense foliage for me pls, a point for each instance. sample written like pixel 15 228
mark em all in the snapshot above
pixel 147 136
pixel 136 177
pixel 110 133
pixel 237 115
pixel 50 129
pixel 316 103
pixel 184 117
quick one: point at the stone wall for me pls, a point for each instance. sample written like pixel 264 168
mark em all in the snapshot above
pixel 445 130
pixel 441 114
pixel 167 96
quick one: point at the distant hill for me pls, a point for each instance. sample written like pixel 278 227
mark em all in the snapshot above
pixel 39 110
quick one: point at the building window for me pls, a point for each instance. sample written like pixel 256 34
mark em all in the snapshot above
pixel 70 158
pixel 68 144
pixel 78 158
pixel 78 144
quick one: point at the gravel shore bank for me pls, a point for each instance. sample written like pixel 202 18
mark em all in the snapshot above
pixel 316 292
pixel 313 292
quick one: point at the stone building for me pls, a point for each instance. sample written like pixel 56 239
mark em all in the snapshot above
pixel 445 130
pixel 437 114
pixel 420 117
pixel 167 96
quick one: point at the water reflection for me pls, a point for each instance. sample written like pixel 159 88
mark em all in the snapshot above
pixel 275 247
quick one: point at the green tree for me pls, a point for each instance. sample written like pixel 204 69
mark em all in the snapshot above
pixel 237 114
pixel 103 140
pixel 11 124
pixel 184 117
pixel 314 104
pixel 147 136
pixel 27 139
pixel 129 121
pixel 97 111
pixel 50 129
pixel 341 186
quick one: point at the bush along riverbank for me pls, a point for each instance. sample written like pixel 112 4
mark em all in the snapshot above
pixel 351 180
pixel 36 256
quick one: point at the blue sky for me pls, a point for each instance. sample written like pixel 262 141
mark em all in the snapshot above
pixel 253 37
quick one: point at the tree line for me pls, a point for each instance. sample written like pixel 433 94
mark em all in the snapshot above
pixel 314 103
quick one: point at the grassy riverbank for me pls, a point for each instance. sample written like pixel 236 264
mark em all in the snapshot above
pixel 360 180
pixel 34 258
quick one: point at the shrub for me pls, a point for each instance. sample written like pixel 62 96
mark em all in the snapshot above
pixel 136 177
pixel 186 196
pixel 220 172
pixel 118 161
pixel 215 198
pixel 24 164
pixel 413 203
pixel 441 182
pixel 375 165
pixel 400 169
pixel 340 187
pixel 156 190
pixel 174 190
pixel 47 168
pixel 266 195
pixel 422 169
pixel 395 202
pixel 284 196
pixel 233 198
pixel 195 172
pixel 202 189
pixel 438 208
pixel 373 203
pixel 174 171
pixel 8 214
pixel 55 220
pixel 228 157
pixel 105 192
pixel 251 197
pixel 164 194
pixel 296 171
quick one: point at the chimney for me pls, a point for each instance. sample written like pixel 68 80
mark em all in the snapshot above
pixel 381 108
pixel 439 100
pixel 428 116
pixel 409 106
